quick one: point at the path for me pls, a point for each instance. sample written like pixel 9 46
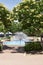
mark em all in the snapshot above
pixel 20 59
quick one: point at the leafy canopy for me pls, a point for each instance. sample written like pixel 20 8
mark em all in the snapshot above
pixel 30 14
pixel 5 16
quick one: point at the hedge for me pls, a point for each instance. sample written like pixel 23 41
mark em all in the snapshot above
pixel 33 46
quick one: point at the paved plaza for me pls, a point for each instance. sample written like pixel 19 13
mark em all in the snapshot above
pixel 21 59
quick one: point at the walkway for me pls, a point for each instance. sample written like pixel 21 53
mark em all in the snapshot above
pixel 20 59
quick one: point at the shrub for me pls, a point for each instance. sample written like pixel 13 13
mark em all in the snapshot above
pixel 33 46
pixel 8 38
pixel 1 47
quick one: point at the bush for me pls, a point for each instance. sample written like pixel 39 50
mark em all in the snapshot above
pixel 8 38
pixel 1 47
pixel 33 46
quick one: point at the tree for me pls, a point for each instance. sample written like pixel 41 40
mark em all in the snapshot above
pixel 14 27
pixel 1 27
pixel 5 17
pixel 30 13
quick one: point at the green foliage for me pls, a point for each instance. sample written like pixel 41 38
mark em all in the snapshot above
pixel 8 37
pixel 5 17
pixel 1 47
pixel 7 21
pixel 1 27
pixel 30 14
pixel 33 46
pixel 16 26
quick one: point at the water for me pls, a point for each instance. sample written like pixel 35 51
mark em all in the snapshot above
pixel 16 42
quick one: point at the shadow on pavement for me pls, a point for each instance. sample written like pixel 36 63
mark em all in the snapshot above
pixel 20 49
